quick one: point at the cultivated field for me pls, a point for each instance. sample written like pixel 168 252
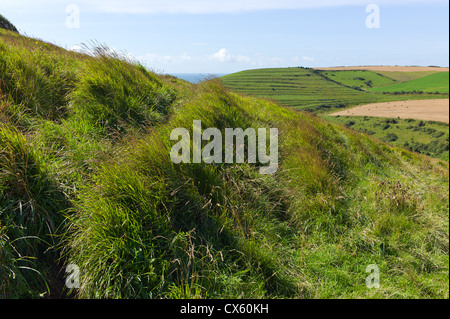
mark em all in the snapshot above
pixel 328 90
pixel 312 90
pixel 359 78
pixel 381 68
pixel 436 82
pixel 430 110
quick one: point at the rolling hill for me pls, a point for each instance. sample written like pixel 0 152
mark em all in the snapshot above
pixel 359 78
pixel 437 82
pixel 86 180
pixel 327 90
pixel 312 90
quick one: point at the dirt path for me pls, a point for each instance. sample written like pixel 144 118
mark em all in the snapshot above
pixel 429 110
pixel 382 68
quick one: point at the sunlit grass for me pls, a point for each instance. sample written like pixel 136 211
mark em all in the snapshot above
pixel 86 178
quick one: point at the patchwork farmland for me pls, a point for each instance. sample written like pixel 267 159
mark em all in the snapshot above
pixel 346 94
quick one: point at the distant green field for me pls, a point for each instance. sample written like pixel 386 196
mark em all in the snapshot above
pixel 426 137
pixel 308 89
pixel 359 78
pixel 406 76
pixel 438 82
pixel 296 87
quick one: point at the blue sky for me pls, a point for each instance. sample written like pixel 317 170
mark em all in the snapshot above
pixel 225 36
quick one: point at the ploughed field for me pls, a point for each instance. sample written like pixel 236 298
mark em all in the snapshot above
pixel 429 110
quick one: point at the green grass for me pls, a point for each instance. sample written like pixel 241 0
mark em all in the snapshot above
pixel 426 137
pixel 106 93
pixel 324 91
pixel 86 178
pixel 359 79
pixel 437 82
pixel 308 89
pixel 406 76
pixel 31 206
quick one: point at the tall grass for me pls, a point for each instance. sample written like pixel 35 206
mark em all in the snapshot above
pixel 86 178
pixel 38 79
pixel 196 230
pixel 113 91
pixel 31 205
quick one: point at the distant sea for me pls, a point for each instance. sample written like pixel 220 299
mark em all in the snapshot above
pixel 196 77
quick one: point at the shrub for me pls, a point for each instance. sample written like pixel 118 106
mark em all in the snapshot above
pixel 5 24
pixel 438 134
pixel 391 137
pixel 350 123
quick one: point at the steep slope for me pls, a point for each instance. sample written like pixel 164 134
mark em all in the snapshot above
pixel 86 179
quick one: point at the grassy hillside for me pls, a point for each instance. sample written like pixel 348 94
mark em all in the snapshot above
pixel 309 89
pixel 427 137
pixel 86 178
pixel 438 82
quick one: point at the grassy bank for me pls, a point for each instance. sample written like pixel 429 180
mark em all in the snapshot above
pixel 86 178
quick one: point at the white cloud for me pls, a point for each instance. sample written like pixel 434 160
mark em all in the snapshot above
pixel 223 55
pixel 185 57
pixel 153 58
pixel 76 48
pixel 261 60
